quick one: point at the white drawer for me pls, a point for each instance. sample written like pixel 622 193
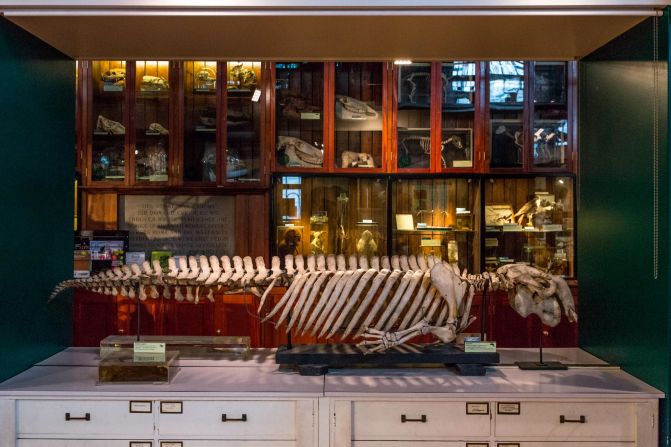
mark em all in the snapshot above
pixel 410 444
pixel 193 443
pixel 273 420
pixel 600 421
pixel 104 418
pixel 81 443
pixel 423 421
pixel 562 444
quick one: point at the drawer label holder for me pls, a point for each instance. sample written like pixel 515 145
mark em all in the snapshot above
pixel 477 444
pixel 508 444
pixel 139 406
pixel 171 407
pixel 477 407
pixel 508 408
pixel 139 444
pixel 172 444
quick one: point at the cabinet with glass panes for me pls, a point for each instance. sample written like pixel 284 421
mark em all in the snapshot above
pixel 244 120
pixel 199 155
pixel 107 121
pixel 531 220
pixel 330 215
pixel 437 217
pixel 151 120
pixel 413 116
pixel 299 122
pixel 359 115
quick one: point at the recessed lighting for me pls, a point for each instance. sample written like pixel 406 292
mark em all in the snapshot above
pixel 402 62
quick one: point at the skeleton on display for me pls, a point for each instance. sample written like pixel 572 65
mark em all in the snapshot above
pixel 356 160
pixel 293 105
pixel 115 76
pixel 157 129
pixel 348 108
pixel 154 83
pixel 383 302
pixel 296 152
pixel 109 126
pixel 534 209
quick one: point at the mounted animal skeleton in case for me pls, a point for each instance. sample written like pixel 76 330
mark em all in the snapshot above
pixel 383 302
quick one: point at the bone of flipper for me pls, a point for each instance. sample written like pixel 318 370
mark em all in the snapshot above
pixel 417 300
pixel 324 298
pixel 341 299
pixel 398 294
pixel 416 279
pixel 379 302
pixel 352 300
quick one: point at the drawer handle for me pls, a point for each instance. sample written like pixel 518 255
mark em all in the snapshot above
pixel 563 420
pixel 227 419
pixel 86 417
pixel 405 419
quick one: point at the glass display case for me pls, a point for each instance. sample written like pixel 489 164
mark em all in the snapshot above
pixel 550 131
pixel 244 105
pixel 457 114
pixel 324 215
pixel 413 122
pixel 438 217
pixel 109 118
pixel 506 93
pixel 201 121
pixel 299 114
pixel 358 114
pixel 152 121
pixel 530 220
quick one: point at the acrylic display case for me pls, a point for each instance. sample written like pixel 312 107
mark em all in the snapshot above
pixel 201 122
pixel 530 220
pixel 324 215
pixel 299 115
pixel 550 118
pixel 188 347
pixel 506 93
pixel 151 121
pixel 126 366
pixel 359 92
pixel 413 137
pixel 109 119
pixel 458 87
pixel 244 105
pixel 438 217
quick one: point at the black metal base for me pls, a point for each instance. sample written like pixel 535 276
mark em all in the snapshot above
pixel 538 366
pixel 314 360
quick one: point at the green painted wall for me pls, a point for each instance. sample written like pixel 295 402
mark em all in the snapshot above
pixel 37 104
pixel 624 310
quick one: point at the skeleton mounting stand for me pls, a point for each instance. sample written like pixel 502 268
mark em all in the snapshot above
pixel 317 359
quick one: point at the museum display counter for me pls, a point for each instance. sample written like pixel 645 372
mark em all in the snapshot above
pixel 249 402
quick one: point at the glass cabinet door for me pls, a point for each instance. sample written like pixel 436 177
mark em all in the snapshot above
pixel 324 215
pixel 243 122
pixel 152 121
pixel 530 220
pixel 550 131
pixel 358 114
pixel 108 121
pixel 299 114
pixel 201 122
pixel 438 217
pixel 506 107
pixel 457 114
pixel 413 123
